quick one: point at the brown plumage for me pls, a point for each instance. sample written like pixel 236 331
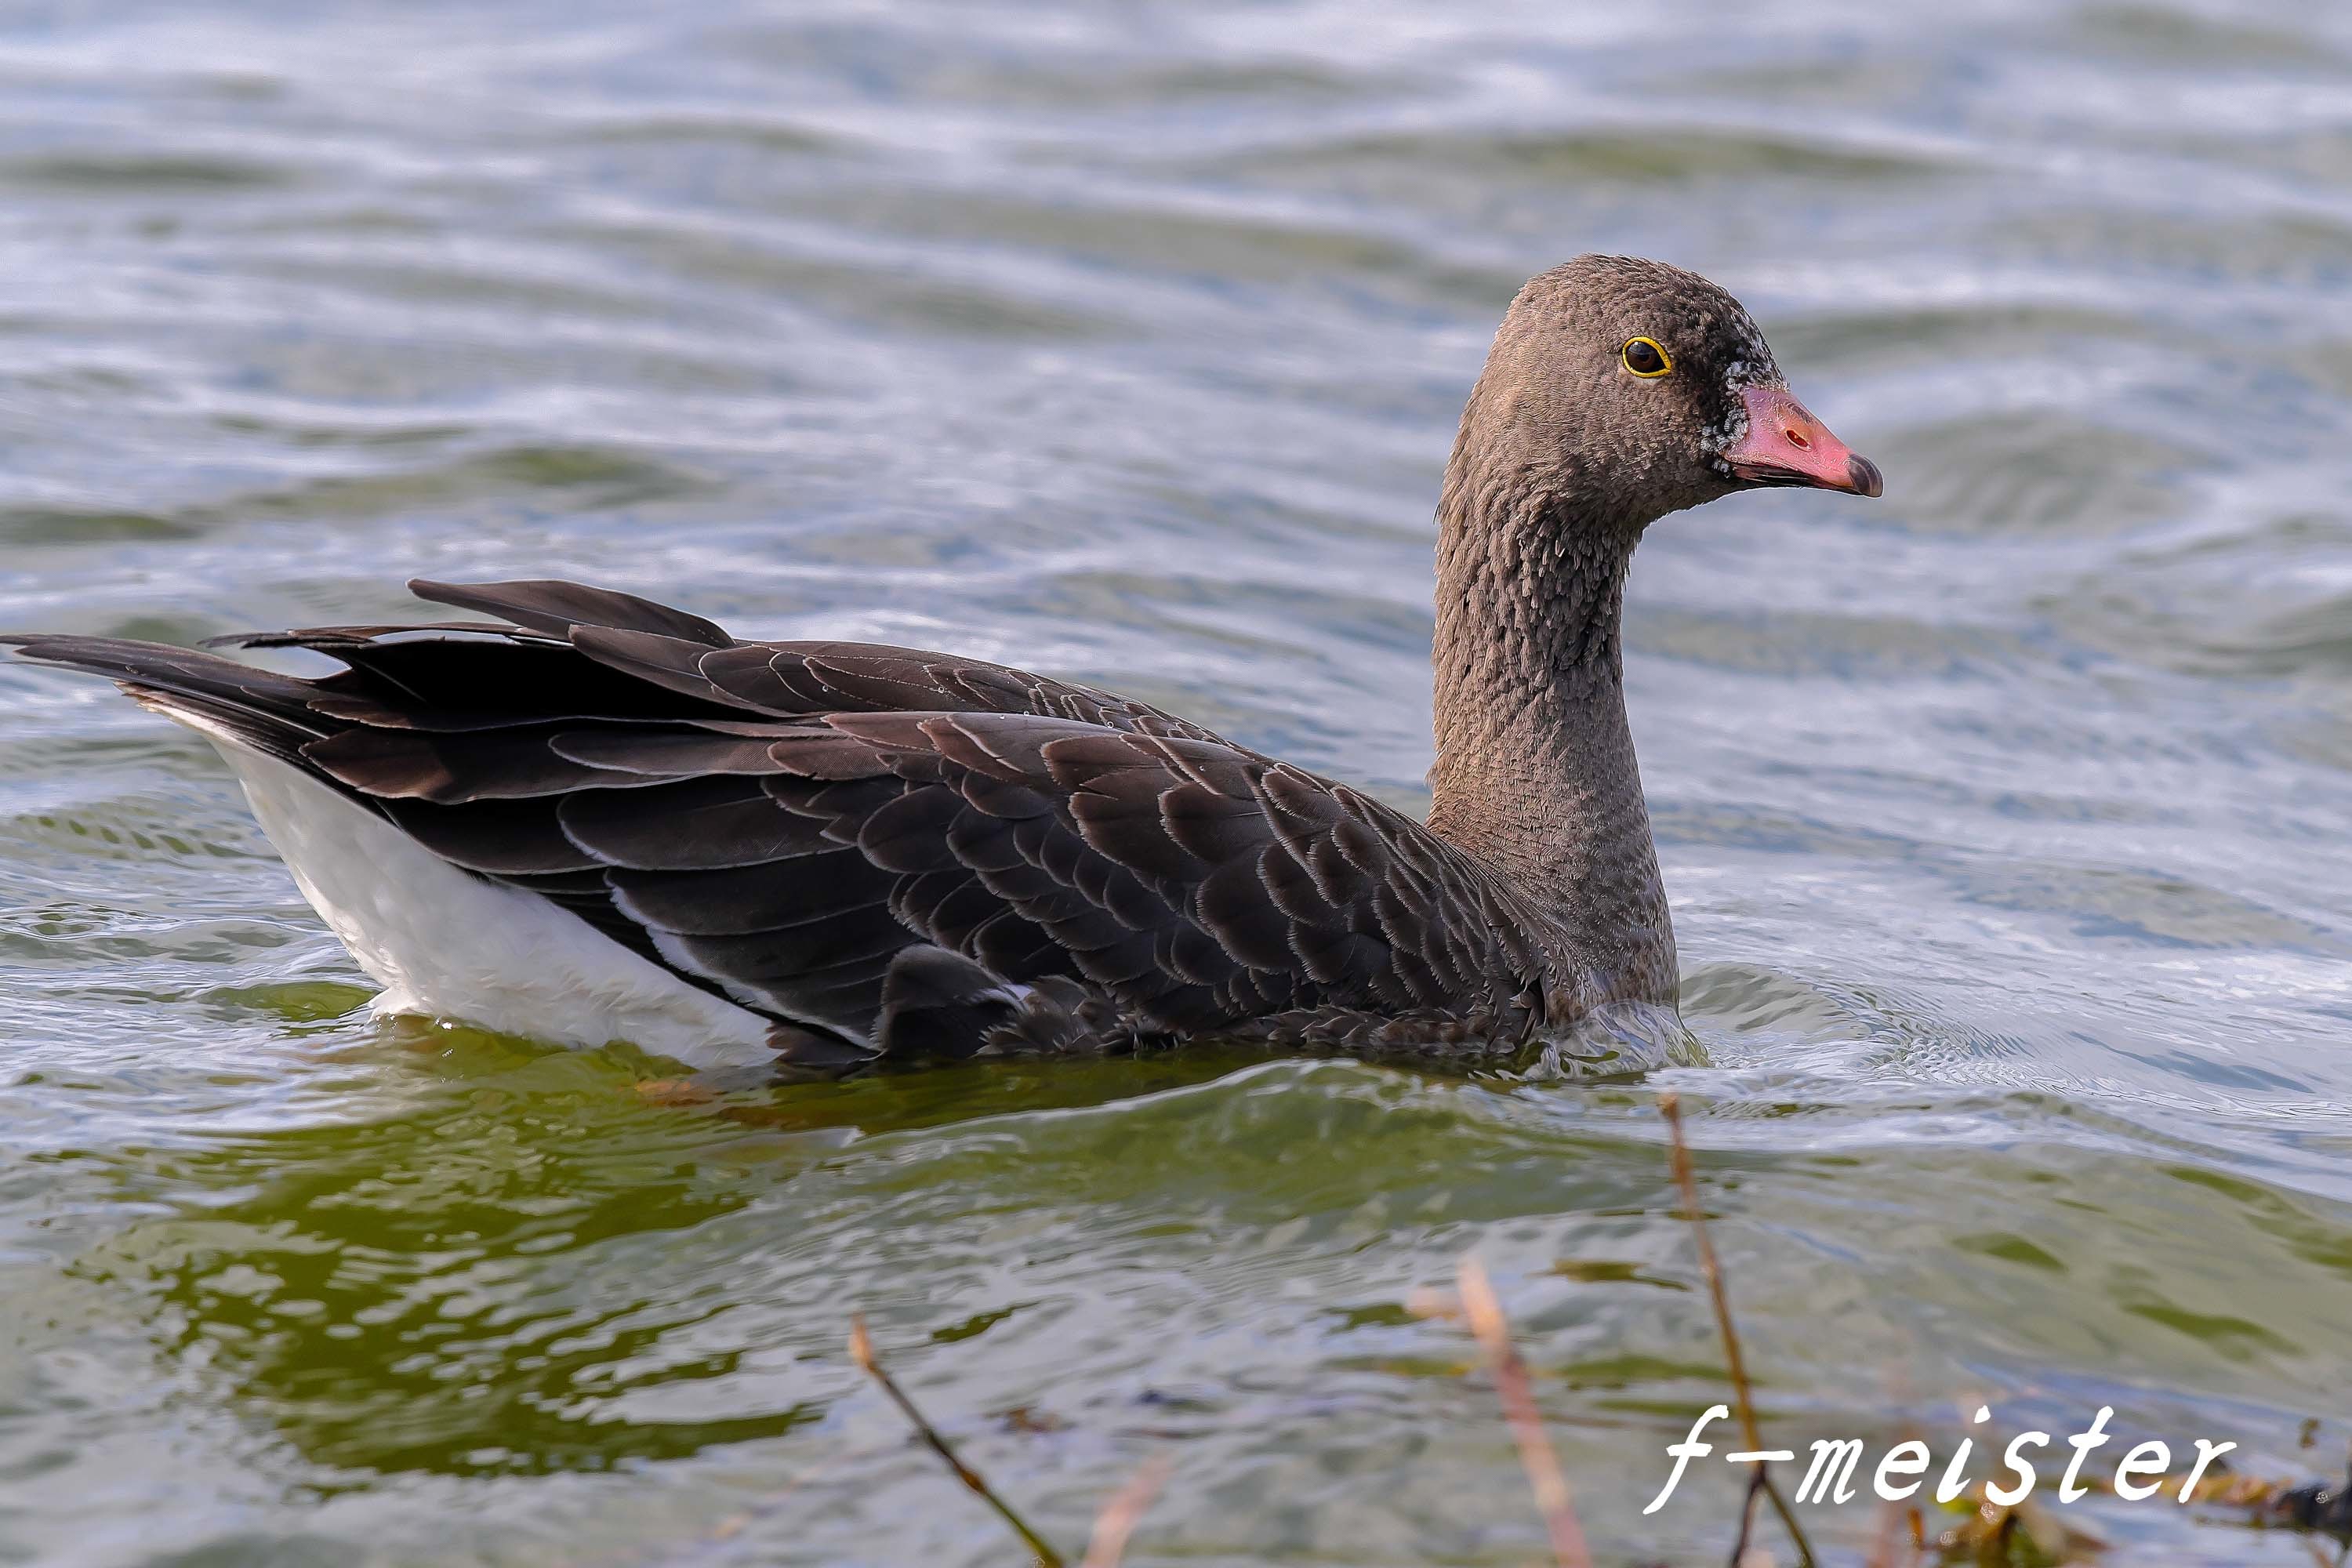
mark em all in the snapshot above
pixel 894 853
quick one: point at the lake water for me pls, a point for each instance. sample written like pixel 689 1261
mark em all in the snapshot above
pixel 2005 819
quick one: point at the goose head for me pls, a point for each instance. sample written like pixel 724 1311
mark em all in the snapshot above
pixel 1626 389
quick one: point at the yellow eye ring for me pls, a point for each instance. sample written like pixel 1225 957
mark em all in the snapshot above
pixel 1646 358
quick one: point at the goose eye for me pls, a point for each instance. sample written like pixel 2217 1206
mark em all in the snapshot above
pixel 1644 358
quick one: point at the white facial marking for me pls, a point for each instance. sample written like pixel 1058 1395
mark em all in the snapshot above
pixel 1753 367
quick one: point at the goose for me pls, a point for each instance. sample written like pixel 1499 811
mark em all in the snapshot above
pixel 596 818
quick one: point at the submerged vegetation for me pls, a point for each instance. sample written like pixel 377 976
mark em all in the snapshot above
pixel 1975 1529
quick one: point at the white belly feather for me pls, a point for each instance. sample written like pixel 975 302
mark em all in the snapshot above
pixel 448 944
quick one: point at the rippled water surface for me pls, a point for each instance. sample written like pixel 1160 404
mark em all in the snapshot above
pixel 2005 819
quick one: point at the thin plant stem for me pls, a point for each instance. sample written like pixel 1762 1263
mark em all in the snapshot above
pixel 1123 1512
pixel 861 1351
pixel 1747 1517
pixel 1670 1105
pixel 1544 1474
pixel 1888 1545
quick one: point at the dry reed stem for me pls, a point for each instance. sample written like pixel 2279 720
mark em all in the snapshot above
pixel 1747 1519
pixel 1124 1511
pixel 861 1351
pixel 1888 1545
pixel 1889 1538
pixel 1535 1452
pixel 1670 1106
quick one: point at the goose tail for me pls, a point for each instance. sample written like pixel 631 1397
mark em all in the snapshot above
pixel 258 708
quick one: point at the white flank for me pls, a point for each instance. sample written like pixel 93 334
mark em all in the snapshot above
pixel 445 942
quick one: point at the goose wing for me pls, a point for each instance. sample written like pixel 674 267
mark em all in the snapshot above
pixel 869 844
pixel 693 657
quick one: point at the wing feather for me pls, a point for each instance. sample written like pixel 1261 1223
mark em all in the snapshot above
pixel 785 822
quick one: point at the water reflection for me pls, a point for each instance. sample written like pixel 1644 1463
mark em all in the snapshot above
pixel 474 1286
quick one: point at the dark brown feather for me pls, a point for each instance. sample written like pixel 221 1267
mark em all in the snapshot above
pixel 553 606
pixel 783 822
pixel 498 764
pixel 700 825
pixel 504 838
pixel 667 753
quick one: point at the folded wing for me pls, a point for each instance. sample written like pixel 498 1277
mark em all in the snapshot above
pixel 824 832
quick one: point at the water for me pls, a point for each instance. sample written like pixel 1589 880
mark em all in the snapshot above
pixel 2005 818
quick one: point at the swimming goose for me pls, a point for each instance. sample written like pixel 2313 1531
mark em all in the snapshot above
pixel 596 819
